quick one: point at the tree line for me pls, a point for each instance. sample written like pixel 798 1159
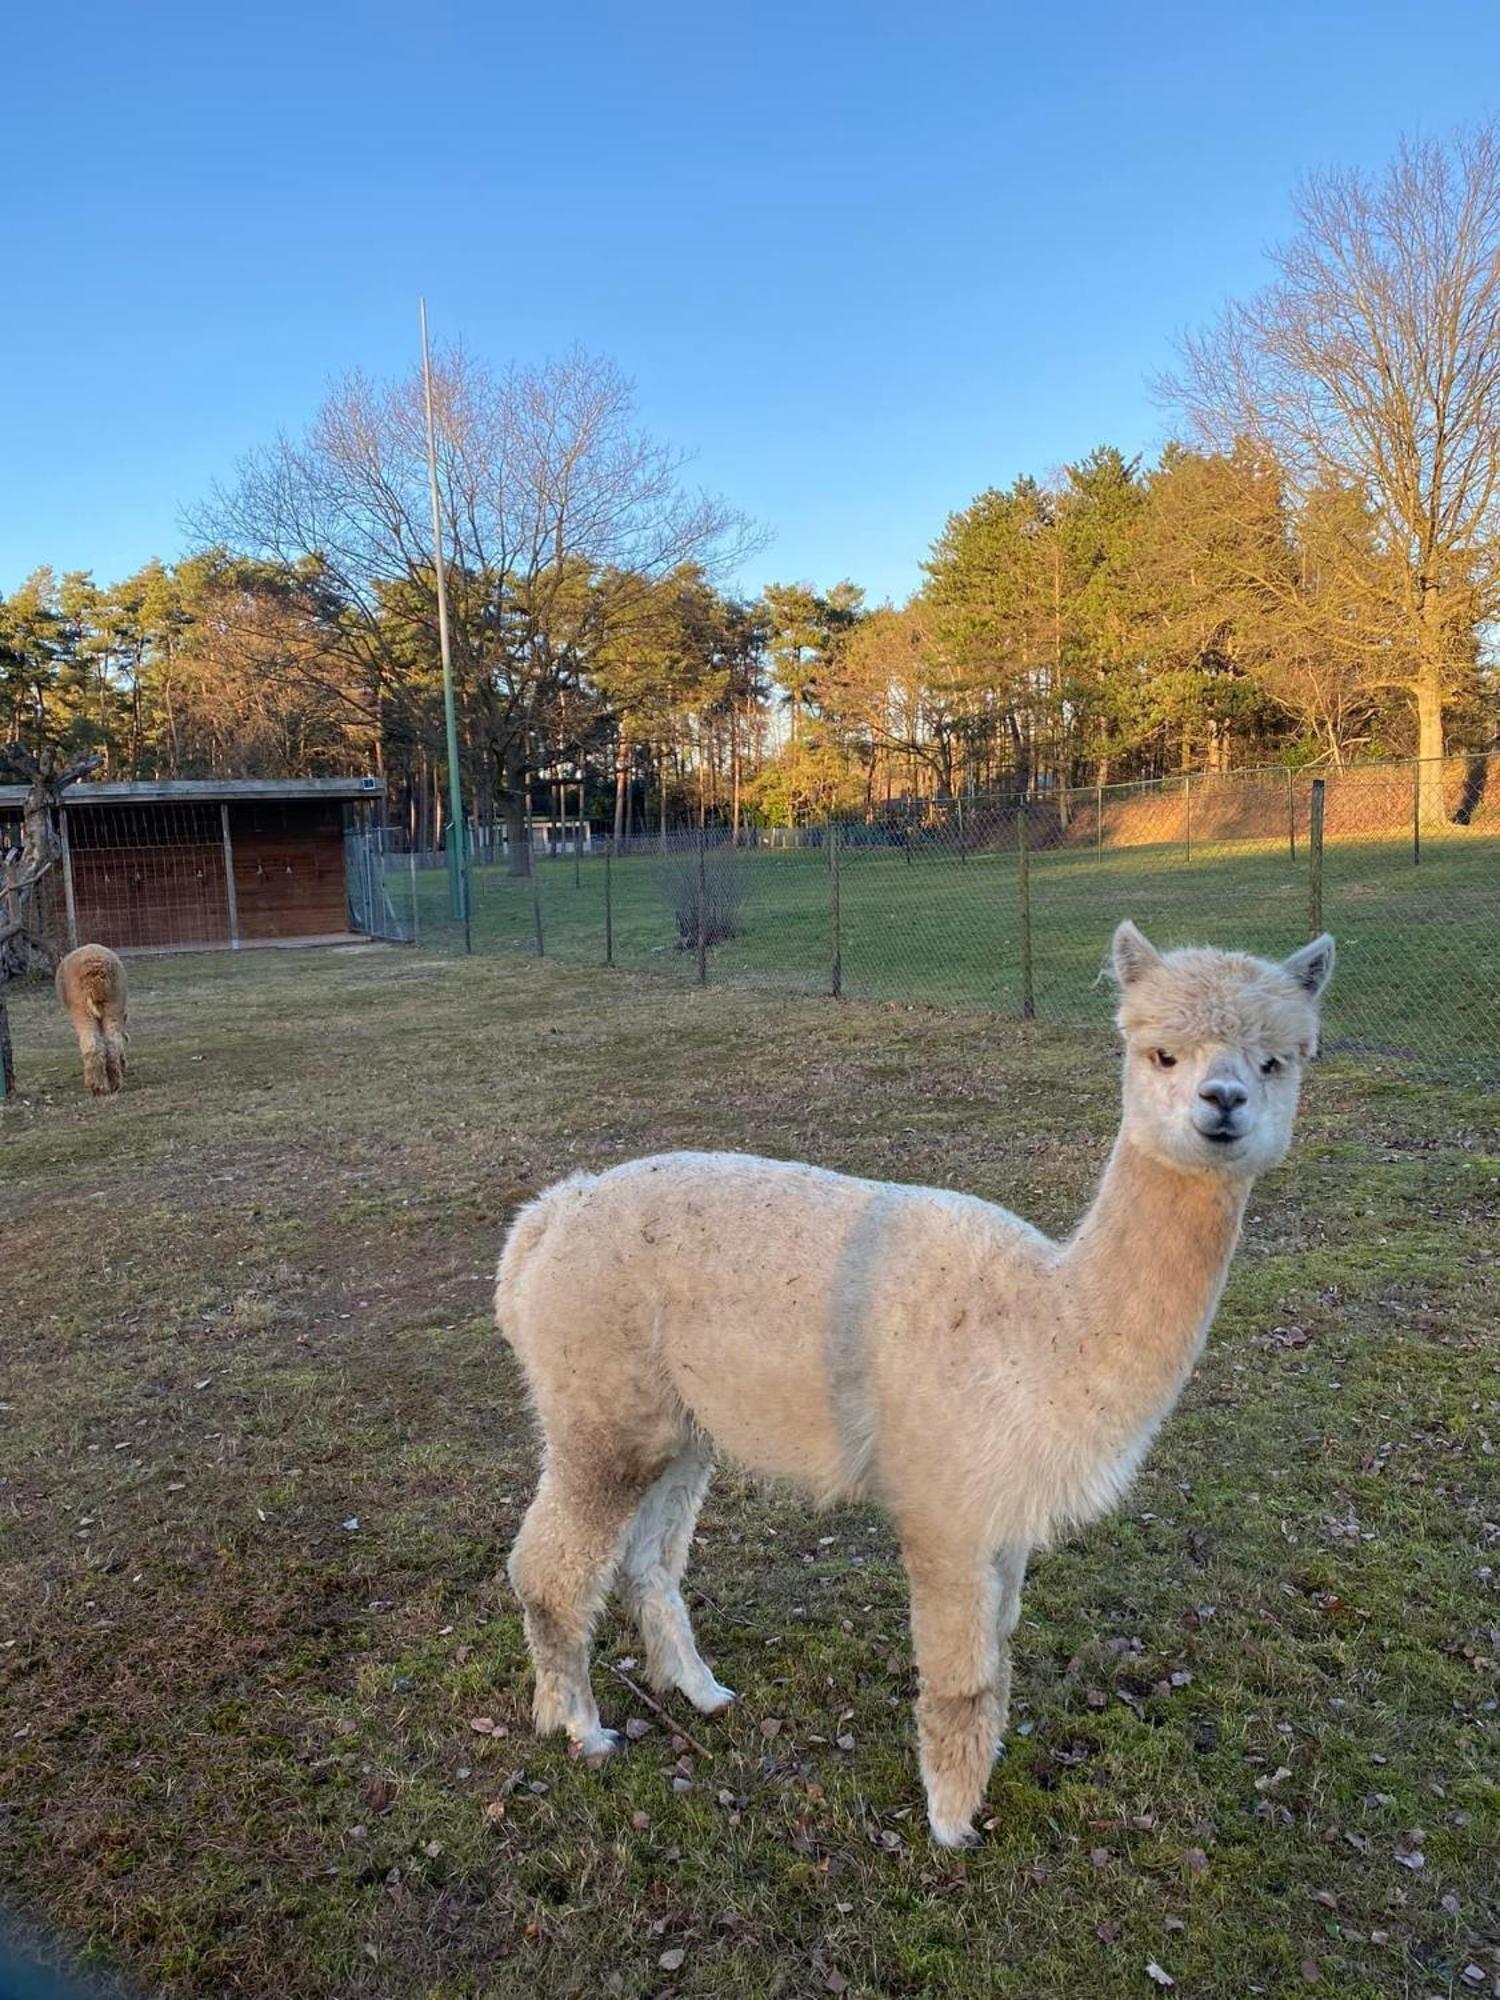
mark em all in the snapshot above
pixel 1308 572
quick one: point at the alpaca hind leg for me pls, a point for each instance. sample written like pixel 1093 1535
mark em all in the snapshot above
pixel 656 1553
pixel 955 1617
pixel 114 1055
pixel 560 1568
pixel 95 1052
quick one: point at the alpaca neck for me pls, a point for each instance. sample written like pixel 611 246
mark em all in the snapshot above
pixel 1143 1273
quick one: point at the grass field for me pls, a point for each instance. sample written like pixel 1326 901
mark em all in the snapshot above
pixel 262 1454
pixel 1419 945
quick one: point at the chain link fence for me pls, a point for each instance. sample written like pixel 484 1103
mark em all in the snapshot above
pixel 1008 904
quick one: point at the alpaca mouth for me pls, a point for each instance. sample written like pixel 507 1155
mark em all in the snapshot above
pixel 1223 1135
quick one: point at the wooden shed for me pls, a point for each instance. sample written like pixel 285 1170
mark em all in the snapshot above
pixel 202 862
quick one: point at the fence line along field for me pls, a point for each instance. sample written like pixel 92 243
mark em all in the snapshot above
pixel 936 913
pixel 265 1692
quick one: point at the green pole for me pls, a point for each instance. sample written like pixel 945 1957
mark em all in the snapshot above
pixel 458 850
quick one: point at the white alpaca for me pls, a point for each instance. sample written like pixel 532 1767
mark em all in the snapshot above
pixel 925 1350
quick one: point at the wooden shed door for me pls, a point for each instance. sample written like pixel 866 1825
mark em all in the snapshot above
pixel 289 868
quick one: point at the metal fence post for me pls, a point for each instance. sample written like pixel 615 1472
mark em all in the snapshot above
pixel 1187 817
pixel 1291 811
pixel 1416 812
pixel 1099 822
pixel 536 890
pixel 1315 860
pixel 702 908
pixel 1023 890
pixel 834 927
pixel 609 902
pixel 411 858
pixel 231 900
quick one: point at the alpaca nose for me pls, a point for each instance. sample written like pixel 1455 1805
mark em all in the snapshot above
pixel 1222 1092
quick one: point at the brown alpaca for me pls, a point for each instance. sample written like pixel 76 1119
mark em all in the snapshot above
pixel 987 1387
pixel 91 987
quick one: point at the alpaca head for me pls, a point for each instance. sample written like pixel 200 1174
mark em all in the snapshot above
pixel 1214 1045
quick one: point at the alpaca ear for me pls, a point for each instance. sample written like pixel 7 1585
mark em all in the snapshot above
pixel 1312 966
pixel 1133 954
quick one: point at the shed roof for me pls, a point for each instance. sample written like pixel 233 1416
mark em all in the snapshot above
pixel 209 791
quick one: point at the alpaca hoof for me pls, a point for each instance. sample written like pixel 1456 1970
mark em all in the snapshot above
pixel 956 1835
pixel 712 1698
pixel 597 1745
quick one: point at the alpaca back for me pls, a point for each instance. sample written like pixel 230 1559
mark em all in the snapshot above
pixel 91 987
pixel 823 1329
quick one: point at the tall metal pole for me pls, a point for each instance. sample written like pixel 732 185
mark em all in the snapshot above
pixel 457 829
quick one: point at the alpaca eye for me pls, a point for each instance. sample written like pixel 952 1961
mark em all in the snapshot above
pixel 1162 1060
pixel 1271 1066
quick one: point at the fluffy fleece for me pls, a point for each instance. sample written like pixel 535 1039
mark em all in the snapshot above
pixel 924 1350
pixel 91 987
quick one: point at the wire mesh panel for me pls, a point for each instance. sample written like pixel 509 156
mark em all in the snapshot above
pixel 148 875
pixel 379 899
pixel 1009 903
pixel 1415 908
pixel 927 910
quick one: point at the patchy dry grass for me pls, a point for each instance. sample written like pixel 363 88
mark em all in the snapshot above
pixel 262 1453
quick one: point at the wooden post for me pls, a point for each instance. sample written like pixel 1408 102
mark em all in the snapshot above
pixel 578 842
pixel 1187 816
pixel 1291 812
pixel 411 857
pixel 1315 861
pixel 1023 889
pixel 231 901
pixel 609 906
pixel 834 926
pixel 702 908
pixel 7 1048
pixel 67 862
pixel 1099 822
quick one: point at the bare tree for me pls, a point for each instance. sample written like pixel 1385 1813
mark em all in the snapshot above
pixel 548 491
pixel 23 946
pixel 1373 360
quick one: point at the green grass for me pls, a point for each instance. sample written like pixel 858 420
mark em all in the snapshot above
pixel 1419 946
pixel 247 1303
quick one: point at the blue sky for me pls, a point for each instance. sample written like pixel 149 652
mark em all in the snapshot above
pixel 860 260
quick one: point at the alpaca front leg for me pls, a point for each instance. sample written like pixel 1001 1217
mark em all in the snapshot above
pixel 1010 1570
pixel 955 1619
